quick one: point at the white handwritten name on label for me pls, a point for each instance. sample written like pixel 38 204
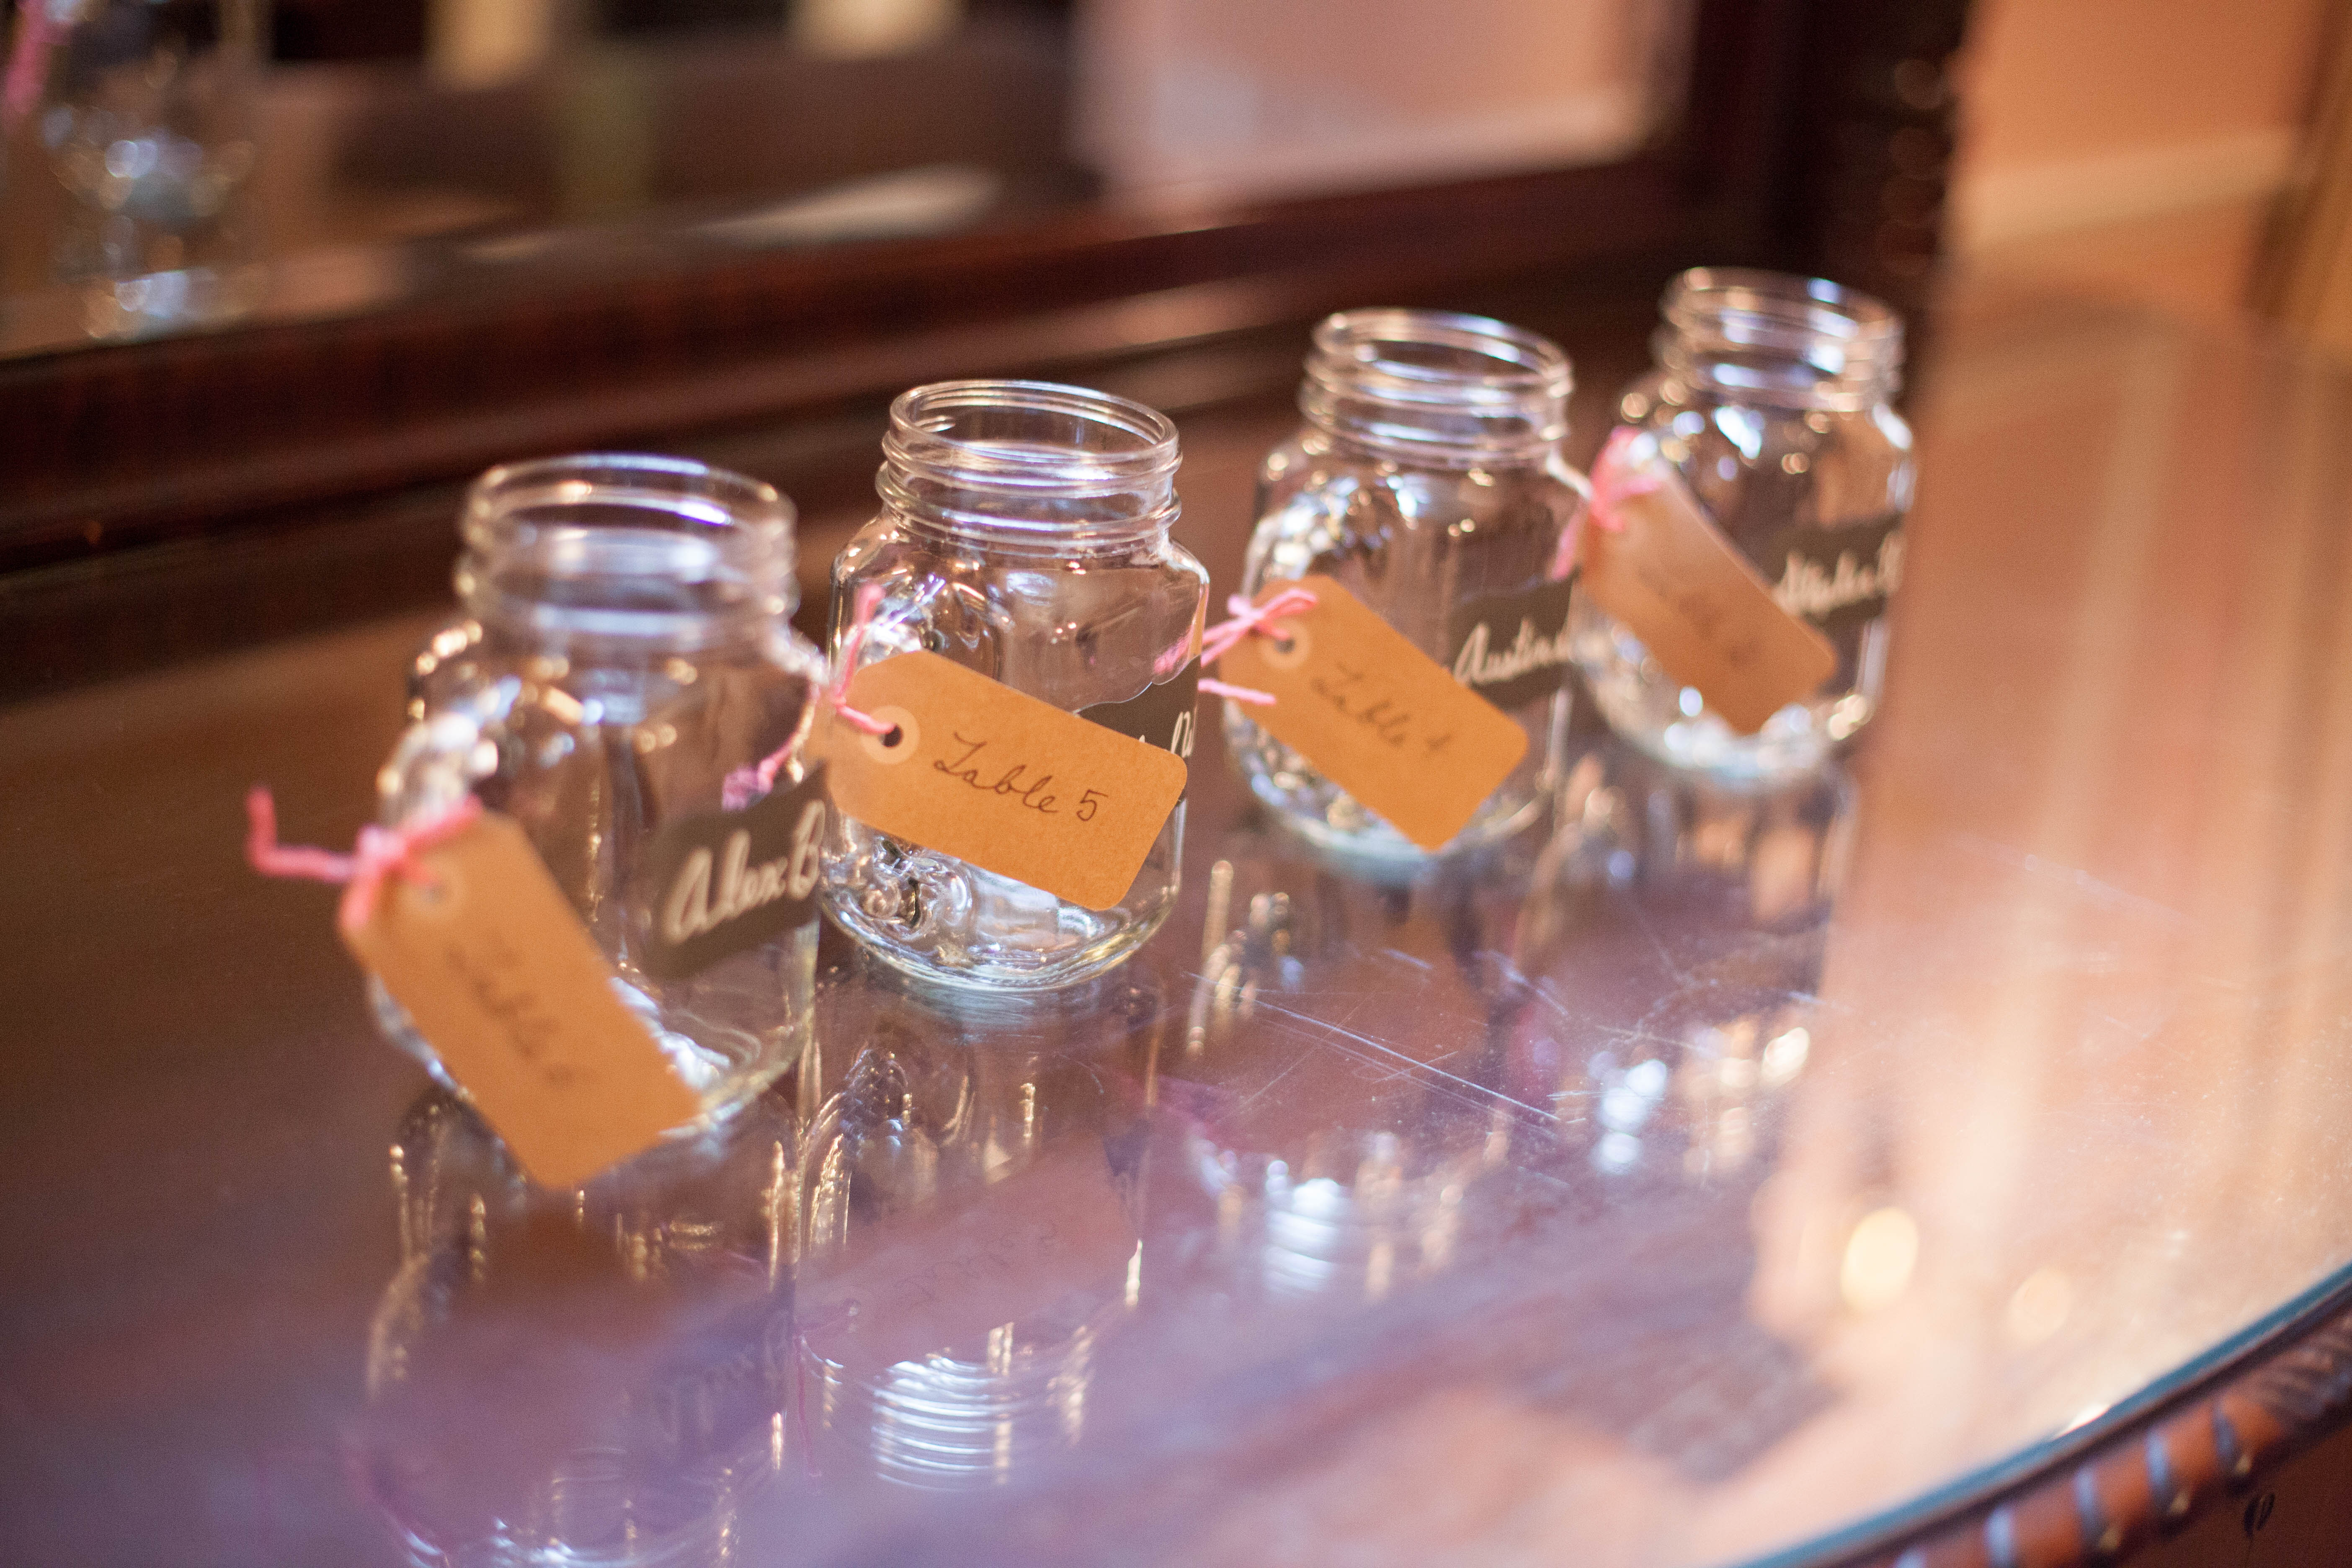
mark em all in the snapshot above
pixel 1383 720
pixel 1840 577
pixel 722 882
pixel 1700 608
pixel 498 972
pixel 1511 648
pixel 992 775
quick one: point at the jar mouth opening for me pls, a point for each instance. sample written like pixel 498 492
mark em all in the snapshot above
pixel 1030 463
pixel 1840 332
pixel 1031 436
pixel 638 489
pixel 1435 357
pixel 1436 388
pixel 625 545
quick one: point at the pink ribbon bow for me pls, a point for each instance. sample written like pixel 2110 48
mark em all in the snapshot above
pixel 1615 480
pixel 381 853
pixel 1248 620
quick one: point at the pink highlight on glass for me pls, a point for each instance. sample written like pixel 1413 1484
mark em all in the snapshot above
pixel 28 62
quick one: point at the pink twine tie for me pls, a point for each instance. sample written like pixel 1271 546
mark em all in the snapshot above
pixel 861 621
pixel 1615 480
pixel 746 784
pixel 381 853
pixel 1173 658
pixel 1248 694
pixel 1248 620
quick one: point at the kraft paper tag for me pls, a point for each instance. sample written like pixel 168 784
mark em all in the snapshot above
pixel 922 1282
pixel 498 972
pixel 993 777
pixel 1511 648
pixel 1383 720
pixel 721 882
pixel 1699 607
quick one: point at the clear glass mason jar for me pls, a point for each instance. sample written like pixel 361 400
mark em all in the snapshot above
pixel 148 113
pixel 622 649
pixel 1427 480
pixel 1771 396
pixel 1023 534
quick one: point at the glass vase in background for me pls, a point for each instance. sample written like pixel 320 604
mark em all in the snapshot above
pixel 1771 399
pixel 1427 481
pixel 623 666
pixel 147 111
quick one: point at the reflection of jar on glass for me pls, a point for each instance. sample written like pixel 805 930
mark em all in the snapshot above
pixel 1770 399
pixel 1427 482
pixel 623 651
pixel 597 1375
pixel 1691 921
pixel 1333 1179
pixel 967 1229
pixel 1023 534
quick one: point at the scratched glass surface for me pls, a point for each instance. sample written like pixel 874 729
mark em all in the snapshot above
pixel 1697 1178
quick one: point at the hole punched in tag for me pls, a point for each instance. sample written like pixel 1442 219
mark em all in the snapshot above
pixel 898 742
pixel 1287 645
pixel 441 896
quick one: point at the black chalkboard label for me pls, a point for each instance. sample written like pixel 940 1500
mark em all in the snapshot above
pixel 1511 648
pixel 1160 716
pixel 723 882
pixel 1837 578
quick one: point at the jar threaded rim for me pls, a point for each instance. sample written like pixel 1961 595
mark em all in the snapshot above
pixel 1437 385
pixel 1781 336
pixel 1030 460
pixel 625 545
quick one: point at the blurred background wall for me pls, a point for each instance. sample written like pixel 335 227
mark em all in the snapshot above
pixel 2157 149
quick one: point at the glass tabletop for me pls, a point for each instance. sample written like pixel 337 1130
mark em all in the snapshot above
pixel 1703 1178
